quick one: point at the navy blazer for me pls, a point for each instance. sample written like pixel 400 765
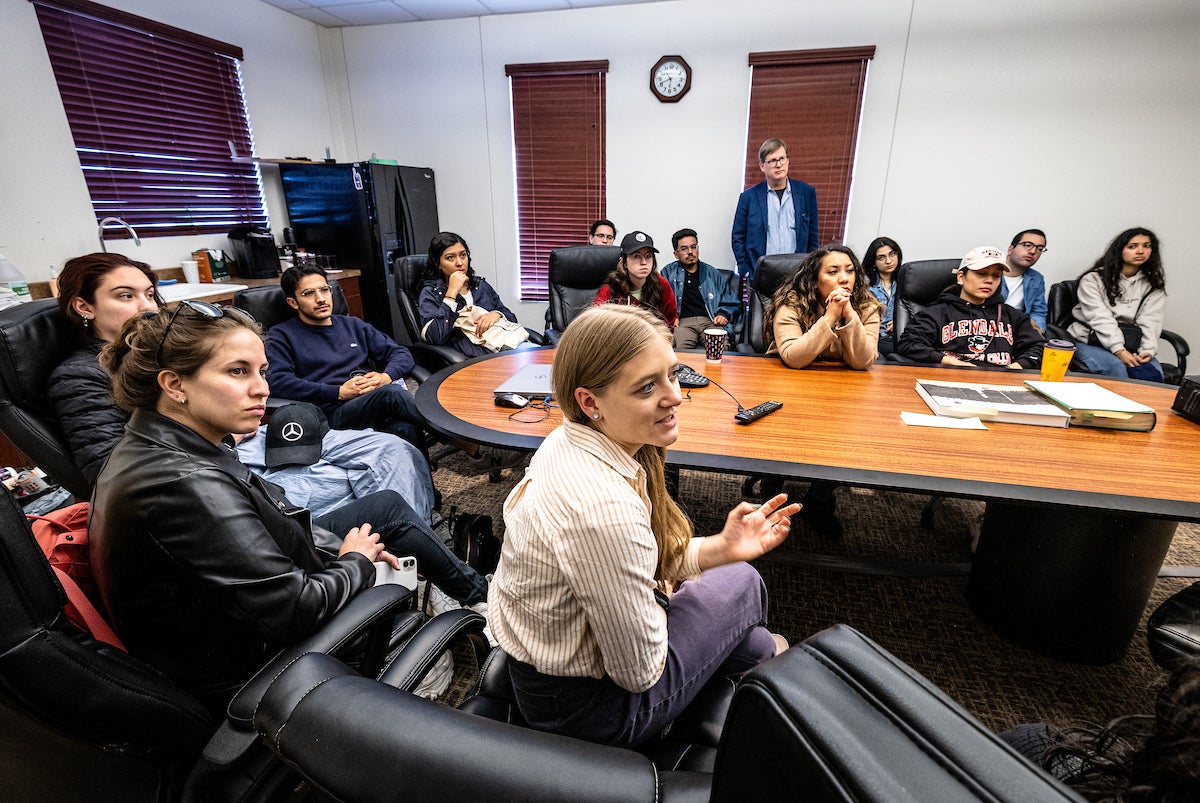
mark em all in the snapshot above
pixel 750 224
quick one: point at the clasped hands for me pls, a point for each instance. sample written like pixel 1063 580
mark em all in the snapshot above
pixel 356 386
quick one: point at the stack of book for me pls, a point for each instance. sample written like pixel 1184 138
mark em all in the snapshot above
pixel 1047 404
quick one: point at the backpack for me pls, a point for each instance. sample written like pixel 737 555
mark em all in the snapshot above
pixel 474 542
pixel 62 535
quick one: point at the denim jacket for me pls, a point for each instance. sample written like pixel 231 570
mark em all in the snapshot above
pixel 719 299
pixel 1034 285
pixel 888 300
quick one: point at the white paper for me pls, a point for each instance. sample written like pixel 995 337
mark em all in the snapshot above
pixel 945 422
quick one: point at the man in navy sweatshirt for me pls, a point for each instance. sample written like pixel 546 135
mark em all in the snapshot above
pixel 342 364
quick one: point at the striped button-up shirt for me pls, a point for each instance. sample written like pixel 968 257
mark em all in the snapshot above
pixel 573 595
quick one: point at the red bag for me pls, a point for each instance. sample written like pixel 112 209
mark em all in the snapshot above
pixel 62 535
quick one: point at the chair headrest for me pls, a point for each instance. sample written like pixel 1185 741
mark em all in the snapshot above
pixel 269 306
pixel 775 269
pixel 582 266
pixel 924 280
pixel 409 270
pixel 34 339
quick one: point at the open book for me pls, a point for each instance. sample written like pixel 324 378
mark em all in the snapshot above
pixel 1091 405
pixel 1006 404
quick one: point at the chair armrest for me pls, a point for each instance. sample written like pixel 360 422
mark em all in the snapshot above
pixel 358 739
pixel 841 718
pixel 1181 349
pixel 550 337
pixel 436 356
pixel 373 609
pixel 409 667
pixel 536 337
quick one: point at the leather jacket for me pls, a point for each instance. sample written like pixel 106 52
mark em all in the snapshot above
pixel 205 568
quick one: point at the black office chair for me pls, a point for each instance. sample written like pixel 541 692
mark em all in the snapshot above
pixel 918 284
pixel 1061 301
pixel 1173 630
pixel 82 720
pixel 737 323
pixel 771 271
pixel 835 718
pixel 576 274
pixel 34 338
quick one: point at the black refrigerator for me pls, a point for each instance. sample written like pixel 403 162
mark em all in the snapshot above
pixel 366 214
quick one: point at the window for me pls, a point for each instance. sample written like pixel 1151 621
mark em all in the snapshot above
pixel 812 100
pixel 153 110
pixel 558 150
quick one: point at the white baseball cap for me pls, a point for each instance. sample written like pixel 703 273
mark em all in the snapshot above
pixel 982 257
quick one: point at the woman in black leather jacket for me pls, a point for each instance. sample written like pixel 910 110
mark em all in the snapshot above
pixel 205 568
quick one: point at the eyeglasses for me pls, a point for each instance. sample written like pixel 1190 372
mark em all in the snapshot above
pixel 1034 246
pixel 323 290
pixel 776 162
pixel 687 248
pixel 211 311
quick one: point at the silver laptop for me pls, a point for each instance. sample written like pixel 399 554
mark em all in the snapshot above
pixel 532 382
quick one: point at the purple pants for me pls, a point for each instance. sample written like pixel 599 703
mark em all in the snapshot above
pixel 715 626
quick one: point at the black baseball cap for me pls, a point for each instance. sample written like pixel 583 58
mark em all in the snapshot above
pixel 295 434
pixel 636 241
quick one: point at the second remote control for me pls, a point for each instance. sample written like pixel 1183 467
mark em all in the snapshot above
pixel 757 412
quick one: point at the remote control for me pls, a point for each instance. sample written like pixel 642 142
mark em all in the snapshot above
pixel 689 378
pixel 757 412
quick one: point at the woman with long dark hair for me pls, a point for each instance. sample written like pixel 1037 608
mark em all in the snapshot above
pixel 455 303
pixel 613 615
pixel 636 280
pixel 1119 316
pixel 883 259
pixel 824 313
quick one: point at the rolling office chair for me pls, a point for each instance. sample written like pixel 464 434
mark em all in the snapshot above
pixel 576 275
pixel 918 284
pixel 771 271
pixel 835 718
pixel 737 325
pixel 269 307
pixel 1173 630
pixel 34 338
pixel 82 720
pixel 1062 298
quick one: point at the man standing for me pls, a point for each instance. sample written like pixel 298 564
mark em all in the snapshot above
pixel 705 298
pixel 775 216
pixel 1025 288
pixel 342 364
pixel 602 232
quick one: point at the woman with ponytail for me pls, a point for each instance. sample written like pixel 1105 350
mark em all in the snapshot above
pixel 614 616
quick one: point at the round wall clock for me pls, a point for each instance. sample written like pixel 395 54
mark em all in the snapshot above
pixel 670 78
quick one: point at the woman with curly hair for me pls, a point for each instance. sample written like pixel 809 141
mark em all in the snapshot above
pixel 637 282
pixel 1120 312
pixel 825 313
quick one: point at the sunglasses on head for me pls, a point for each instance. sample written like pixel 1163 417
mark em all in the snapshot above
pixel 211 311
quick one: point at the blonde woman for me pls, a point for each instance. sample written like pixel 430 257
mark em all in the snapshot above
pixel 613 614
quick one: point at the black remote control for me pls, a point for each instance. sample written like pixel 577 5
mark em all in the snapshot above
pixel 690 378
pixel 757 412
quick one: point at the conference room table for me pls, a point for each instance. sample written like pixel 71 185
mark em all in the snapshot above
pixel 1077 523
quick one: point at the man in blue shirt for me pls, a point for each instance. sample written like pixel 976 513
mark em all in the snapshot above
pixel 702 293
pixel 342 364
pixel 776 216
pixel 1025 288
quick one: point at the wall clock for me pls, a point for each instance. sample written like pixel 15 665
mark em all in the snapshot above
pixel 670 78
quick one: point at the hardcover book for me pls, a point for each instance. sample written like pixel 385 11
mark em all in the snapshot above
pixel 1005 404
pixel 1091 405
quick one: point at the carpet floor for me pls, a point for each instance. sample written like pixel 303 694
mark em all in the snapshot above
pixel 923 617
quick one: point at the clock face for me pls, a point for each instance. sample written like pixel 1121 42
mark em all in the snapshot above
pixel 670 78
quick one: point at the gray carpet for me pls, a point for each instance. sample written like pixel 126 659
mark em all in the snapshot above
pixel 923 619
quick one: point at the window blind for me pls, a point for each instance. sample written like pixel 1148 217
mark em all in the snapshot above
pixel 152 110
pixel 558 151
pixel 812 100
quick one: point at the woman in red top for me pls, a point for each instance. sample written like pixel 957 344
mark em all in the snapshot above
pixel 637 282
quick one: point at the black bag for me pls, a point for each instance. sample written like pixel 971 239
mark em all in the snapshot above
pixel 474 542
pixel 1130 331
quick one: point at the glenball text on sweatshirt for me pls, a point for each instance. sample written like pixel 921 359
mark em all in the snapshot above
pixel 990 333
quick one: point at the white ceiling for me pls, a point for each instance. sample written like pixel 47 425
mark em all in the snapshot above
pixel 340 13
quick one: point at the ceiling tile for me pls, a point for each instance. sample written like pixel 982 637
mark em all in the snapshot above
pixel 380 12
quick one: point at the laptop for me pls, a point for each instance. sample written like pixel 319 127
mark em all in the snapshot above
pixel 532 382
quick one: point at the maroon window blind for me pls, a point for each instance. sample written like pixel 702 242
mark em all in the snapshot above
pixel 152 110
pixel 812 100
pixel 558 141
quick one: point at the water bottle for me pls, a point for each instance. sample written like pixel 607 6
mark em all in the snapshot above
pixel 13 287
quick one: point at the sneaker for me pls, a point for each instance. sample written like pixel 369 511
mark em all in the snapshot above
pixel 438 601
pixel 438 679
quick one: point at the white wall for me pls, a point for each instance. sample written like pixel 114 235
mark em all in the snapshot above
pixel 45 213
pixel 1078 116
pixel 979 119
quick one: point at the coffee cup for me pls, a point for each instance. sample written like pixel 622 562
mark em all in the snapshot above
pixel 1056 357
pixel 191 271
pixel 714 344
